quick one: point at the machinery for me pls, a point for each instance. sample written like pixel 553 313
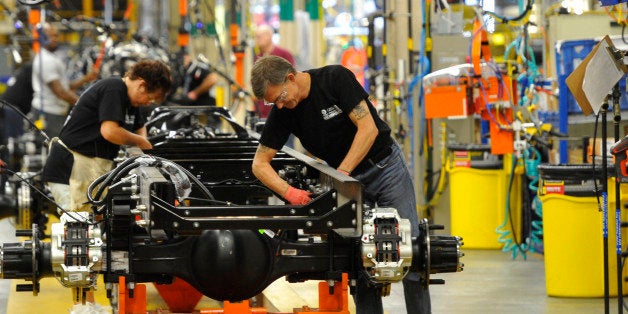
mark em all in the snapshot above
pixel 191 208
pixel 19 195
pixel 461 91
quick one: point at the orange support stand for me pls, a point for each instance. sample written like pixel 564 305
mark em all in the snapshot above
pixel 335 303
pixel 180 296
pixel 235 308
pixel 128 305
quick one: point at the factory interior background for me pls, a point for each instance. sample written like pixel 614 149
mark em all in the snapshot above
pixel 510 117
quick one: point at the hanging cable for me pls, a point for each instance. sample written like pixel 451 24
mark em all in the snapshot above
pixel 507 236
pixel 18 111
pixel 501 126
pixel 520 17
pixel 441 183
pixel 45 196
pixel 106 180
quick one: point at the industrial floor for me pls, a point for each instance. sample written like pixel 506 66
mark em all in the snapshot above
pixel 492 282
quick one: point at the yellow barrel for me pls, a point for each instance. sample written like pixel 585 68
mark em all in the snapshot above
pixel 478 205
pixel 574 247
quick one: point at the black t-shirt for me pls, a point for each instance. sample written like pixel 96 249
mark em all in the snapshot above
pixel 195 75
pixel 106 100
pixel 321 120
pixel 19 91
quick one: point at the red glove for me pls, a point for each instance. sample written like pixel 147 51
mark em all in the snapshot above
pixel 297 197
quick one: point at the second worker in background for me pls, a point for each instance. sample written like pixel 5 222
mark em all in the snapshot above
pixel 264 46
pixel 198 80
pixel 106 116
pixel 53 93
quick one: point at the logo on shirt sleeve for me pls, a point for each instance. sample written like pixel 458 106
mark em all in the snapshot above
pixel 331 112
pixel 129 119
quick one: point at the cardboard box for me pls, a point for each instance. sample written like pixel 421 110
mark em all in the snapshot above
pixel 598 149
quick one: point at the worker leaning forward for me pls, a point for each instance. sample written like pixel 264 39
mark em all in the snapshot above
pixel 330 113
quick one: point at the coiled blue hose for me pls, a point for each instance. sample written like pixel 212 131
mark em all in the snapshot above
pixel 506 236
pixel 536 234
pixel 534 242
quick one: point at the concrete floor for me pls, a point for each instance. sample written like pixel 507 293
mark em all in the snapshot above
pixel 494 283
pixel 491 282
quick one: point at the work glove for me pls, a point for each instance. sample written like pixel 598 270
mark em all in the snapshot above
pixel 297 197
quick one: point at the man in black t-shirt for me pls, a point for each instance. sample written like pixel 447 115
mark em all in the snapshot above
pixel 106 116
pixel 19 90
pixel 19 93
pixel 329 111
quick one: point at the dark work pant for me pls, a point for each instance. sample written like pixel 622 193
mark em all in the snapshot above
pixel 389 184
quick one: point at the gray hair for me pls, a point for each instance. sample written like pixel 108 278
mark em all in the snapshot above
pixel 269 71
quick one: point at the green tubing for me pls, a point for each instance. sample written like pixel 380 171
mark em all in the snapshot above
pixel 531 160
pixel 506 237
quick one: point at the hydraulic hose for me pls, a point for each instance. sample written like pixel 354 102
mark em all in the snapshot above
pixel 507 237
pixel 105 180
pixel 531 165
pixel 40 131
pixel 442 179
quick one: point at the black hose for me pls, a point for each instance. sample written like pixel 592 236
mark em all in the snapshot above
pixel 112 176
pixel 25 180
pixel 105 180
pixel 18 111
pixel 191 176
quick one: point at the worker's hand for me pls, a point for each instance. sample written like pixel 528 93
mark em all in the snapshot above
pixel 192 95
pixel 144 144
pixel 343 171
pixel 297 197
pixel 2 165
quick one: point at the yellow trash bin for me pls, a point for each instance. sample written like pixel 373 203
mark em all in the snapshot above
pixel 572 232
pixel 478 197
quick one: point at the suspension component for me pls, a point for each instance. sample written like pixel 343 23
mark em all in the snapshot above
pixel 386 245
pixel 76 250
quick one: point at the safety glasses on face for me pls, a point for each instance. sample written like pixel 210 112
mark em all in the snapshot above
pixel 281 98
pixel 151 98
